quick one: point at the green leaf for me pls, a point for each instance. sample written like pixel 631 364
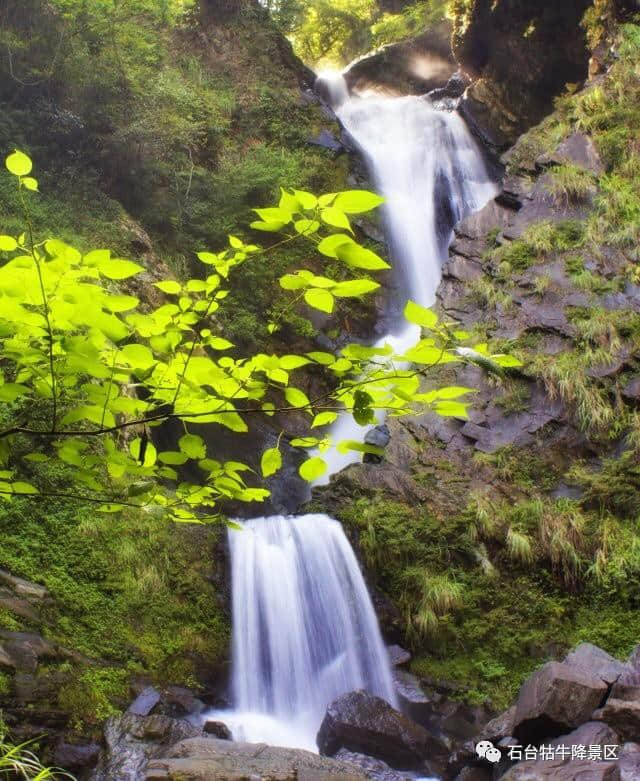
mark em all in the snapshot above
pixel 453 392
pixel 172 457
pixel 357 201
pixel 307 200
pixel 11 390
pixel 169 286
pixel 138 356
pixel 319 299
pixel 267 227
pixel 329 246
pixel 274 215
pixel 418 315
pixel 293 282
pixel 312 469
pixel 335 217
pixel 290 362
pixel 96 257
pixel 119 269
pixel 296 398
pixel 193 446
pixel 270 462
pixel 305 442
pixel 18 164
pixel 110 508
pixel 218 343
pixel 24 488
pixel 453 409
pixel 358 447
pixel 150 452
pixel 354 288
pixel 306 227
pixel 208 257
pixel 324 419
pixel 362 412
pixel 8 243
pixel 506 361
pixel 359 257
pixel 30 183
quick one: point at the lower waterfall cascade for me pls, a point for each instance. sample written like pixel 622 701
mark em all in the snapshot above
pixel 304 627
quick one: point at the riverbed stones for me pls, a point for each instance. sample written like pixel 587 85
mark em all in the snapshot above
pixel 557 698
pixel 557 770
pixel 210 759
pixel 360 722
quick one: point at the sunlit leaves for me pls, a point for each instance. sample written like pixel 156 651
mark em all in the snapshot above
pixel 19 164
pixel 169 286
pixel 192 446
pixel 312 469
pixel 271 461
pixel 357 201
pixel 419 315
pixel 116 268
pixel 8 243
pixel 319 299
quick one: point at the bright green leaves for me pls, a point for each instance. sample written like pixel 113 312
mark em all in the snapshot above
pixel 270 462
pixel 418 315
pixel 357 201
pixel 312 469
pixel 320 299
pixel 8 244
pixel 19 164
pixel 193 446
pixel 169 286
pixel 107 369
pixel 119 269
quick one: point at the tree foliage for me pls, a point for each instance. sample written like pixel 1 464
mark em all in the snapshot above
pixel 106 369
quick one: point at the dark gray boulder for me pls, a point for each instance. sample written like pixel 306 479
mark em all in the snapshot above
pixel 500 727
pixel 145 702
pixel 623 716
pixel 365 724
pixel 593 733
pixel 557 770
pixel 555 699
pixel 217 729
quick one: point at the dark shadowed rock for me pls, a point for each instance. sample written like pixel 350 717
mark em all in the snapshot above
pixel 596 662
pixel 500 727
pixel 412 699
pixel 217 729
pixel 623 716
pixel 145 702
pixel 366 724
pixel 593 733
pixel 474 774
pixel 72 756
pixel 554 700
pixel 209 759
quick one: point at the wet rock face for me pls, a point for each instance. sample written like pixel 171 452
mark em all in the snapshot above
pixel 366 724
pixel 411 67
pixel 521 54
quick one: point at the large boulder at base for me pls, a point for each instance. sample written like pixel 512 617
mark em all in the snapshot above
pixel 500 727
pixel 557 770
pixel 596 662
pixel 554 700
pixel 209 759
pixel 360 722
pixel 132 740
pixel 623 716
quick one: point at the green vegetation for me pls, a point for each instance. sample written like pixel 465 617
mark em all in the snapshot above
pixel 334 32
pixel 17 760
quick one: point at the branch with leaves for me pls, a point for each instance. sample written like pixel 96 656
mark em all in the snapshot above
pixel 73 344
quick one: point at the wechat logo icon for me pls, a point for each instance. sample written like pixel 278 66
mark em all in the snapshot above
pixel 486 750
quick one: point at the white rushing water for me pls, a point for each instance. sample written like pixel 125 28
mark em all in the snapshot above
pixel 430 171
pixel 304 628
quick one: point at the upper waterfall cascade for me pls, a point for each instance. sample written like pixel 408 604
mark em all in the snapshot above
pixel 304 628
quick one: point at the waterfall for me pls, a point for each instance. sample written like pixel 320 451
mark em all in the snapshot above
pixel 431 173
pixel 304 628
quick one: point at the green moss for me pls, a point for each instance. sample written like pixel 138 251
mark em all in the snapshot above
pixel 90 697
